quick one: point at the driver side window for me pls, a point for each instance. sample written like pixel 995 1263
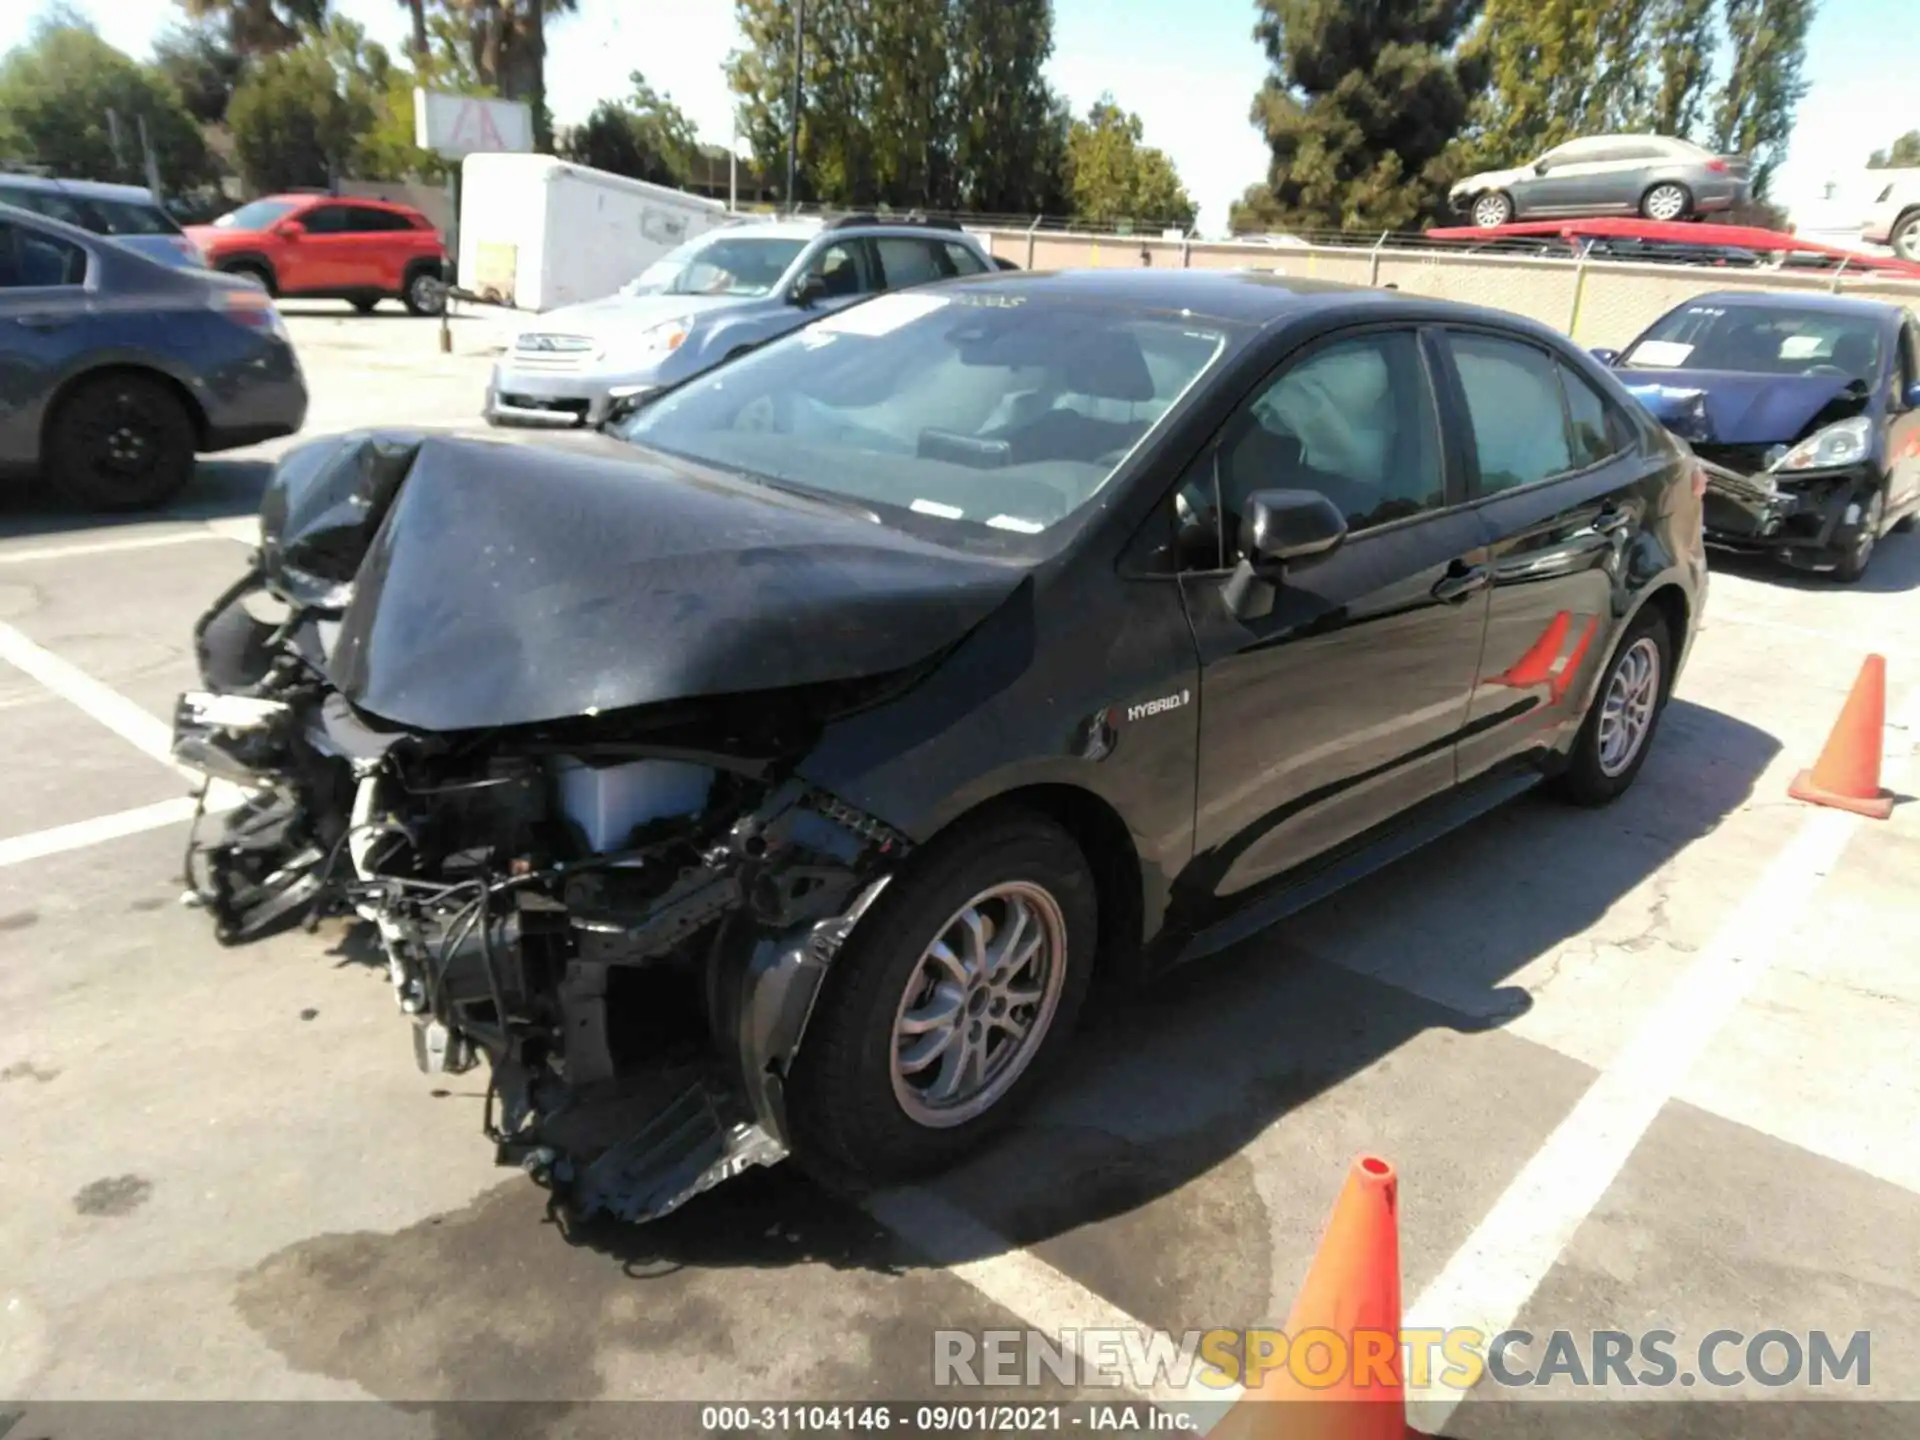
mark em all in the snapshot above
pixel 844 269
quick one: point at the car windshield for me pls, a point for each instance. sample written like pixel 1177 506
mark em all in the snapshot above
pixel 1759 340
pixel 976 416
pixel 256 215
pixel 745 265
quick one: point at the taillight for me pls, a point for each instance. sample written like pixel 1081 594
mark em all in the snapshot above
pixel 1717 165
pixel 251 307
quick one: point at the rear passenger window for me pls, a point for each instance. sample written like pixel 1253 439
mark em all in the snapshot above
pixel 1513 401
pixel 1594 439
pixel 965 262
pixel 30 260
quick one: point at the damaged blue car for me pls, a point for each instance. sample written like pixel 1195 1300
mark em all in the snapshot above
pixel 1804 409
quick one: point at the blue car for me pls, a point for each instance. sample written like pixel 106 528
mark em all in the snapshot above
pixel 1806 412
pixel 116 370
pixel 125 213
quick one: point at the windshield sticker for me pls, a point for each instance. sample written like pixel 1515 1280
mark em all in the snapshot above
pixel 1661 353
pixel 1705 310
pixel 934 507
pixel 881 315
pixel 988 300
pixel 1014 522
pixel 1799 347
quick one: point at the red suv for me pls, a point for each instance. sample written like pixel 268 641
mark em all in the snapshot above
pixel 330 247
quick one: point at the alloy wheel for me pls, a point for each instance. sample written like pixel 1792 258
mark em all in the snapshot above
pixel 977 1008
pixel 1490 210
pixel 1627 706
pixel 1666 202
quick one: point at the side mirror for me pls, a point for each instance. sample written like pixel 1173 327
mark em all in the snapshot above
pixel 1540 167
pixel 807 290
pixel 289 229
pixel 1280 528
pixel 1605 356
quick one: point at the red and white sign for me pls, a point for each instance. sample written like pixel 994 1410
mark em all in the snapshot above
pixel 453 126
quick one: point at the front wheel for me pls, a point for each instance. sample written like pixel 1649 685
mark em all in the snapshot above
pixel 1853 564
pixel 1492 209
pixel 948 1004
pixel 1618 731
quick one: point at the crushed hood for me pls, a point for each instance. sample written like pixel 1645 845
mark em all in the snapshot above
pixel 513 584
pixel 1731 407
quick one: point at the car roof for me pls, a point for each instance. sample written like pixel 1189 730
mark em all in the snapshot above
pixel 1812 300
pixel 1242 297
pixel 34 220
pixel 314 197
pixel 806 227
pixel 89 189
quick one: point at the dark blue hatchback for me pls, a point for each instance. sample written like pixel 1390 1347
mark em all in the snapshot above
pixel 116 370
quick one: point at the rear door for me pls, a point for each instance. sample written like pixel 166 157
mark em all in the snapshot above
pixel 1340 706
pixel 44 311
pixel 1562 490
pixel 385 243
pixel 906 261
pixel 321 260
pixel 848 271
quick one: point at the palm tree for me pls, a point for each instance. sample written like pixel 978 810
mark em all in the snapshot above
pixel 260 27
pixel 508 42
pixel 417 13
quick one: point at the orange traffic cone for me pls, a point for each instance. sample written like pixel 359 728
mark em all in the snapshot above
pixel 1343 1335
pixel 1536 666
pixel 1847 774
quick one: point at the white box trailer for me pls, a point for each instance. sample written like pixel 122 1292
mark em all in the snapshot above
pixel 537 232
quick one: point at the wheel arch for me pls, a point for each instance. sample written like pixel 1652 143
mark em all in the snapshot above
pixel 250 260
pixel 195 411
pixel 1111 855
pixel 1668 599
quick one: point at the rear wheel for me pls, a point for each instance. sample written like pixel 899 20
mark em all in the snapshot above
pixel 1491 209
pixel 1905 239
pixel 121 442
pixel 950 1002
pixel 1666 201
pixel 1618 731
pixel 254 271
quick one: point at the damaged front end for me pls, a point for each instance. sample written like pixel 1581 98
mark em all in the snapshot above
pixel 630 936
pixel 1795 482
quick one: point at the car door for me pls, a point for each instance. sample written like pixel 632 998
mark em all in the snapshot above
pixel 1581 179
pixel 1341 704
pixel 320 261
pixel 1541 185
pixel 44 309
pixel 378 249
pixel 1562 488
pixel 847 271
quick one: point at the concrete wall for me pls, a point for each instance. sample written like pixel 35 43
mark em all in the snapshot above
pixel 1601 302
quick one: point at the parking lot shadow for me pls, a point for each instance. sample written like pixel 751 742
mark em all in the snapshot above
pixel 221 489
pixel 1894 571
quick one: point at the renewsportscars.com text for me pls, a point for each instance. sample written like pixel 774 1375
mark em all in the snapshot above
pixel 1456 1359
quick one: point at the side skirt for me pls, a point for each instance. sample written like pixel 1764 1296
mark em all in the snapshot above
pixel 1400 838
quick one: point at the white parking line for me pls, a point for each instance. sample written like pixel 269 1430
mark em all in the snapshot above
pixel 111 547
pixel 1494 1274
pixel 82 833
pixel 1031 1289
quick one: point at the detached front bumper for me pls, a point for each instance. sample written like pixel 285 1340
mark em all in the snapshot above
pixel 1811 520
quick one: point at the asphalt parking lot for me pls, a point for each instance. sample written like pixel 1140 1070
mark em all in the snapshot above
pixel 1655 1067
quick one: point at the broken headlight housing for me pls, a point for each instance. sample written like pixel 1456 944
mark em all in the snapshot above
pixel 1846 442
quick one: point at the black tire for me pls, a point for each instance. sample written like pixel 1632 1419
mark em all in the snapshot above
pixel 1852 566
pixel 255 271
pixel 120 441
pixel 366 304
pixel 851 1128
pixel 1905 525
pixel 1904 239
pixel 423 292
pixel 1588 780
pixel 1493 208
pixel 1656 198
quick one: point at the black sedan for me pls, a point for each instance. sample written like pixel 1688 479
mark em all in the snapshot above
pixel 1806 409
pixel 115 370
pixel 774 773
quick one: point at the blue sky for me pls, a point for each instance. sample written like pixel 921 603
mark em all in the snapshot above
pixel 1188 67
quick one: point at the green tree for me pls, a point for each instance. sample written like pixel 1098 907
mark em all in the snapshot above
pixel 1903 153
pixel 202 65
pixel 1753 112
pixel 301 116
pixel 1116 178
pixel 941 104
pixel 646 136
pixel 1360 108
pixel 259 27
pixel 57 91
pixel 1682 35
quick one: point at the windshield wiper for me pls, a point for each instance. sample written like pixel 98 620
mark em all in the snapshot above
pixel 843 503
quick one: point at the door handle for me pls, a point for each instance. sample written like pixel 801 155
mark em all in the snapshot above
pixel 1460 581
pixel 1611 520
pixel 42 322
